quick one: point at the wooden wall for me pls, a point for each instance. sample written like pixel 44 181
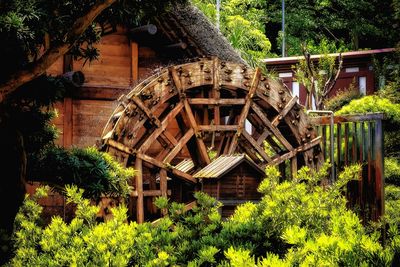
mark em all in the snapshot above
pixel 237 186
pixel 121 65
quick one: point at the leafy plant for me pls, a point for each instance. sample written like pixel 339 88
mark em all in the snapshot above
pixel 342 98
pixel 297 222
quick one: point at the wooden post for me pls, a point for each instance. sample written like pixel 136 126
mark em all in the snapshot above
pixel 134 61
pixel 139 190
pixel 163 187
pixel 379 168
pixel 67 122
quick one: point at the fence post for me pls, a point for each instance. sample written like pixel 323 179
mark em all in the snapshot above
pixel 379 171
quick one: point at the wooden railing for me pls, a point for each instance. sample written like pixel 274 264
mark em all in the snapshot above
pixel 357 139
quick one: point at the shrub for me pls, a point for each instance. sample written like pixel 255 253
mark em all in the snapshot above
pixel 342 98
pixel 296 223
pixel 392 171
pixel 94 171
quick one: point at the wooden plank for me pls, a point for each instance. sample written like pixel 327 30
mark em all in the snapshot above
pixel 263 136
pixel 379 175
pixel 68 122
pixel 139 190
pixel 164 188
pixel 256 146
pixel 221 101
pixel 320 120
pixel 179 174
pixel 339 145
pixel 245 110
pixel 218 128
pixel 284 111
pixel 119 146
pixel 134 61
pixel 346 144
pixel 275 131
pixel 150 140
pixel 215 90
pixel 178 147
pixel 151 193
pixel 201 147
pixel 139 103
pixel 291 154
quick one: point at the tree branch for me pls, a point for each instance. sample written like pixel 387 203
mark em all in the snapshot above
pixel 38 67
pixel 333 82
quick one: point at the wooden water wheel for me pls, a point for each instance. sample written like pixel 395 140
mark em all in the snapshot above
pixel 189 112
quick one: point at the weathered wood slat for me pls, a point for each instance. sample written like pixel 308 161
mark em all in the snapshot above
pixel 218 128
pixel 284 111
pixel 256 146
pixel 139 103
pixel 178 147
pixel 215 90
pixel 150 140
pixel 245 110
pixel 119 146
pixel 179 174
pixel 269 125
pixel 322 120
pixel 139 190
pixel 221 101
pixel 202 149
pixel 150 193
pixel 291 154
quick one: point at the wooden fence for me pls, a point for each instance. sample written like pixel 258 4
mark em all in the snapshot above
pixel 357 139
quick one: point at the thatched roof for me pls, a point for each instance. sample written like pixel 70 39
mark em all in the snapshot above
pixel 202 33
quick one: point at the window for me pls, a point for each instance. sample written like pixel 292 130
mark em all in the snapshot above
pixel 296 89
pixel 350 70
pixel 362 85
pixel 285 75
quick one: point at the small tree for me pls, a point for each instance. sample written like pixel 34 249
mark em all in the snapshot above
pixel 319 77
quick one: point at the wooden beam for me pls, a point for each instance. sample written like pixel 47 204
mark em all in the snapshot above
pixel 150 140
pixel 294 152
pixel 256 146
pixel 221 101
pixel 139 103
pixel 263 136
pixel 139 190
pixel 325 120
pixel 178 147
pixel 275 131
pixel 202 149
pixel 119 146
pixel 218 128
pixel 245 110
pixel 151 193
pixel 68 122
pixel 164 187
pixel 215 90
pixel 134 61
pixel 284 111
pixel 179 174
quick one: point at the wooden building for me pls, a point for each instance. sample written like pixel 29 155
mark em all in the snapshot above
pixel 232 180
pixel 358 69
pixel 127 57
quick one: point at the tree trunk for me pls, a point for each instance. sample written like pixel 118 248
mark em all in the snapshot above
pixel 12 182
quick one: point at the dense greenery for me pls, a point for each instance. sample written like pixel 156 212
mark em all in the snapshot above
pixel 242 22
pixel 342 24
pixel 296 223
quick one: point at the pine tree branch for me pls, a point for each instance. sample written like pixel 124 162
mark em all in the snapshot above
pixel 38 67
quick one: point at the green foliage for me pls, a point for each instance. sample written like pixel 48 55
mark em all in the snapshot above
pixel 96 172
pixel 342 98
pixel 296 223
pixel 242 22
pixel 392 171
pixel 347 24
pixel 373 103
